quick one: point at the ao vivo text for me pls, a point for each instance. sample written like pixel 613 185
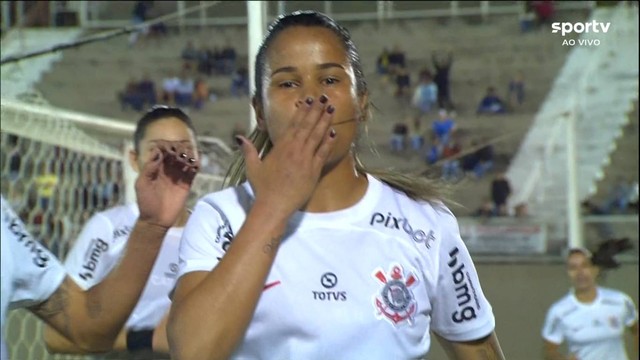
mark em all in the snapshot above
pixel 581 42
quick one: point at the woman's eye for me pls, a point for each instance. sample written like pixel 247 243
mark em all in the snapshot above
pixel 287 84
pixel 331 81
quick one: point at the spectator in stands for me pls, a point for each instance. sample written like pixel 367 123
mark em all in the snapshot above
pixel 140 10
pixel 399 136
pixel 491 103
pixel 544 11
pixel 443 127
pixel 382 64
pixel 169 87
pixel 14 156
pixel 218 61
pixel 469 161
pixel 184 90
pixel 147 90
pixel 403 82
pixel 397 60
pixel 205 61
pixel 484 160
pixel 516 90
pixel 442 65
pixel 200 94
pixel 434 151
pixel 240 82
pixel 190 54
pixel 500 192
pixel 229 57
pixel 416 136
pixel 451 165
pixel 47 184
pixel 131 96
pixel 425 96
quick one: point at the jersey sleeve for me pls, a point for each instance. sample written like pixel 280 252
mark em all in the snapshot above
pixel 552 329
pixel 460 311
pixel 630 311
pixel 36 273
pixel 205 239
pixel 89 260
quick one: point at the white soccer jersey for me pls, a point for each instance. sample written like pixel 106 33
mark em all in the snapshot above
pixel 100 247
pixel 30 273
pixel 593 331
pixel 368 282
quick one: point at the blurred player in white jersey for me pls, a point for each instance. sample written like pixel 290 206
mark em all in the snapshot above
pixel 92 318
pixel 591 319
pixel 102 241
pixel 316 257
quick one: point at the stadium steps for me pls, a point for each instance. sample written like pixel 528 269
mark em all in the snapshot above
pixel 600 111
pixel 88 79
pixel 20 77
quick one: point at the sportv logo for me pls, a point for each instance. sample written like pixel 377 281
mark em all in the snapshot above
pixel 578 27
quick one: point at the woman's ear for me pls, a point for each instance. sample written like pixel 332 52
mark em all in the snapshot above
pixel 258 110
pixel 133 160
pixel 363 104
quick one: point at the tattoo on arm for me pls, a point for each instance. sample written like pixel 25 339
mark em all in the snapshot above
pixel 57 304
pixel 272 245
pixel 94 303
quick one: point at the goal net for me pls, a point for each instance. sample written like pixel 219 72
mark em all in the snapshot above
pixel 58 169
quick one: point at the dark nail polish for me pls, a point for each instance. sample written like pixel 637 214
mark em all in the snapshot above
pixel 173 149
pixel 332 133
pixel 238 140
pixel 183 155
pixel 309 101
pixel 323 99
pixel 331 109
pixel 192 160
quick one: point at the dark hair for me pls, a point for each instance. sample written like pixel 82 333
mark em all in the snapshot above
pixel 308 19
pixel 156 113
pixel 604 256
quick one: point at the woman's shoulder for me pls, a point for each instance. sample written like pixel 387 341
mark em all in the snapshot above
pixel 229 198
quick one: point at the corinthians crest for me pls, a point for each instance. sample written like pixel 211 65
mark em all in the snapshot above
pixel 396 301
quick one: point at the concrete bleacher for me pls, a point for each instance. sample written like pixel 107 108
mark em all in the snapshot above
pixel 20 77
pixel 485 54
pixel 597 86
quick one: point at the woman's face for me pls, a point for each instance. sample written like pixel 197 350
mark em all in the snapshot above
pixel 581 271
pixel 166 129
pixel 309 62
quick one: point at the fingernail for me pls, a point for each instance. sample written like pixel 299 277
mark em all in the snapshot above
pixel 239 140
pixel 192 160
pixel 183 155
pixel 309 100
pixel 332 133
pixel 323 98
pixel 173 148
pixel 331 109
